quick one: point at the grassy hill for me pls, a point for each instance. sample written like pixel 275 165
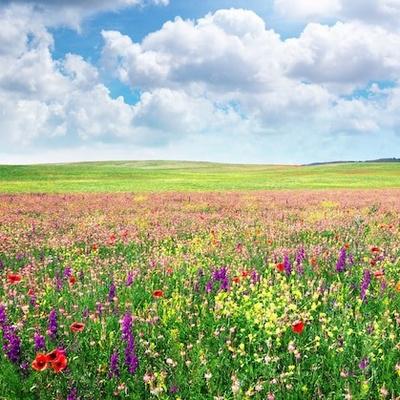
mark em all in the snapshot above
pixel 144 176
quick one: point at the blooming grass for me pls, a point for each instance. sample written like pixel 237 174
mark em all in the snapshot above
pixel 264 295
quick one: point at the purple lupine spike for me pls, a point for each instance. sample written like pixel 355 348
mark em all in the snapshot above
pixel 209 287
pixel 39 342
pixel 11 344
pixel 58 283
pixel 255 277
pixel 221 275
pixel 341 262
pixel 114 365
pixel 365 283
pixel 67 272
pixel 1 265
pixel 3 316
pixel 287 265
pixel 111 292
pixel 32 300
pixel 99 309
pixel 126 326
pixel 129 279
pixel 53 325
pixel 131 360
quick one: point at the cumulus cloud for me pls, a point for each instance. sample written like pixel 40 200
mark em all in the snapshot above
pixel 381 12
pixel 72 12
pixel 223 79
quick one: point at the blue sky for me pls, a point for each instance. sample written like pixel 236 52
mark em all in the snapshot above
pixel 280 81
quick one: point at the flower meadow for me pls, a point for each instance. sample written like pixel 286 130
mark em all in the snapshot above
pixel 264 295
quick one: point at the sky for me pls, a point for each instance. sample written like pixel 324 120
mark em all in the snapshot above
pixel 255 81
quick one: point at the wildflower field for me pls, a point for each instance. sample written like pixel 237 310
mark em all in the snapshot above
pixel 264 295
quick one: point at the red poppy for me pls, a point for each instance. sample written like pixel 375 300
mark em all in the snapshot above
pixel 280 267
pixel 373 262
pixel 72 280
pixel 95 247
pixel 375 249
pixel 13 279
pixel 40 362
pixel 298 327
pixel 236 279
pixel 346 246
pixel 54 355
pixel 313 261
pixel 245 274
pixel 170 270
pixel 60 363
pixel 31 292
pixel 379 274
pixel 77 327
pixel 158 293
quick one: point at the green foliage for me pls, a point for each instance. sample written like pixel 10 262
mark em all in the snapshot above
pixel 158 176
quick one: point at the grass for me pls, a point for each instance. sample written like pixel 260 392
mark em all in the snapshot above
pixel 162 176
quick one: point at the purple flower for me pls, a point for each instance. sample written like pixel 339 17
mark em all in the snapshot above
pixel 209 287
pixel 67 272
pixel 58 283
pixel 99 309
pixel 129 279
pixel 131 360
pixel 341 262
pixel 255 277
pixel 3 316
pixel 1 265
pixel 11 344
pixel 173 389
pixel 221 275
pixel 114 368
pixel 363 363
pixel 365 283
pixel 287 265
pixel 111 292
pixel 53 325
pixel 39 341
pixel 73 394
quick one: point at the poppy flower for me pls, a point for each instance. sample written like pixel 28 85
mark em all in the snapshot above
pixel 40 362
pixel 95 247
pixel 158 293
pixel 77 327
pixel 236 279
pixel 298 327
pixel 280 267
pixel 13 279
pixel 72 280
pixel 379 274
pixel 55 354
pixel 398 287
pixel 375 249
pixel 346 246
pixel 31 292
pixel 60 363
pixel 245 274
pixel 313 261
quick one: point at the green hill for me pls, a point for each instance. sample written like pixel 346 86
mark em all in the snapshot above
pixel 145 176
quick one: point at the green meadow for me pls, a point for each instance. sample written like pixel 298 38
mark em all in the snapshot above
pixel 162 176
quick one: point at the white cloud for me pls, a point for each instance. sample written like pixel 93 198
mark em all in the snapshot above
pixel 381 12
pixel 222 82
pixel 72 12
pixel 308 9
